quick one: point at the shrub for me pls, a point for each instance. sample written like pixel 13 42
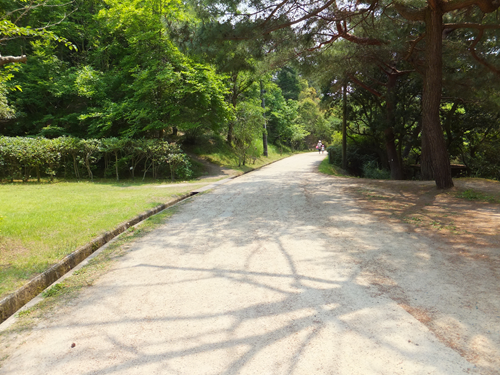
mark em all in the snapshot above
pixel 357 156
pixel 371 170
pixel 19 157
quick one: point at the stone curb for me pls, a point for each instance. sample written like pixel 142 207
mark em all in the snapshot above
pixel 16 300
pixel 13 302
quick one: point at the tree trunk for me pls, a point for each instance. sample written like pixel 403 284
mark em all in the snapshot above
pixel 229 139
pixel 234 102
pixel 392 155
pixel 426 170
pixel 264 127
pixel 116 166
pixel 75 166
pixel 344 127
pixel 390 145
pixel 431 97
pixel 87 164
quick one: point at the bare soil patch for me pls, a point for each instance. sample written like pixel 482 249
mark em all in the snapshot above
pixel 464 225
pixel 446 214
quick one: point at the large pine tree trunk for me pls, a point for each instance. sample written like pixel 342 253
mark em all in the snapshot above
pixel 431 98
pixel 426 170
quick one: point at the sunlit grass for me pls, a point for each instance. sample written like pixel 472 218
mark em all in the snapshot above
pixel 331 169
pixel 44 222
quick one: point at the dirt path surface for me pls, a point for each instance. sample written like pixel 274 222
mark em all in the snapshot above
pixel 280 271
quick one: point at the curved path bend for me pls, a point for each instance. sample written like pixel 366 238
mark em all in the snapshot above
pixel 277 272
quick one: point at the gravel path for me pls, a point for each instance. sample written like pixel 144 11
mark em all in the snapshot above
pixel 275 272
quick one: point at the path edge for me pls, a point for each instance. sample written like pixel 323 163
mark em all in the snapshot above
pixel 16 300
pixel 12 303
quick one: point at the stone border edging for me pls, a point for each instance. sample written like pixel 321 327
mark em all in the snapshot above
pixel 14 301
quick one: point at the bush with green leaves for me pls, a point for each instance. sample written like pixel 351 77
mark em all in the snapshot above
pixel 360 152
pixel 69 157
pixel 372 170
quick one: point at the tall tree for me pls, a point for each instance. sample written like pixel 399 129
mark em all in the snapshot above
pixel 306 26
pixel 433 142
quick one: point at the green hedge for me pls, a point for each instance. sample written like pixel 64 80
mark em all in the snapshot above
pixel 20 157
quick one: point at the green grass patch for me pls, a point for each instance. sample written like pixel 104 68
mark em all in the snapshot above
pixel 64 292
pixel 473 195
pixel 42 223
pixel 327 168
pixel 54 290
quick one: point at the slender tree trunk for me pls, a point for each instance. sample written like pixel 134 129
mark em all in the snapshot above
pixel 106 164
pixel 234 103
pixel 264 132
pixel 87 164
pixel 431 97
pixel 230 128
pixel 116 166
pixel 344 127
pixel 75 166
pixel 392 155
pixel 390 145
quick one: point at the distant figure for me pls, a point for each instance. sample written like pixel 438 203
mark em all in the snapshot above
pixel 322 148
pixel 318 146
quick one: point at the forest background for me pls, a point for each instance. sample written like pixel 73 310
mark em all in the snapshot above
pixel 107 75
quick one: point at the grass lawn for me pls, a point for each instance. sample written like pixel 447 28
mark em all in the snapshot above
pixel 331 169
pixel 44 222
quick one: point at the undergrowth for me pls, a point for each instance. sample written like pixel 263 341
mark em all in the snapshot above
pixel 331 169
pixel 473 195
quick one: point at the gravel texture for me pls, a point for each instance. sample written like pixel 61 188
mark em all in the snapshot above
pixel 276 272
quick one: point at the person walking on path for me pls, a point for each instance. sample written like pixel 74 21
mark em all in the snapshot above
pixel 318 146
pixel 322 148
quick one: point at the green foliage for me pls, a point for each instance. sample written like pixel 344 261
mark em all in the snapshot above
pixel 19 157
pixel 129 80
pixel 54 290
pixel 472 195
pixel 248 126
pixel 359 154
pixel 330 169
pixel 372 170
pixel 6 111
pixel 289 83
